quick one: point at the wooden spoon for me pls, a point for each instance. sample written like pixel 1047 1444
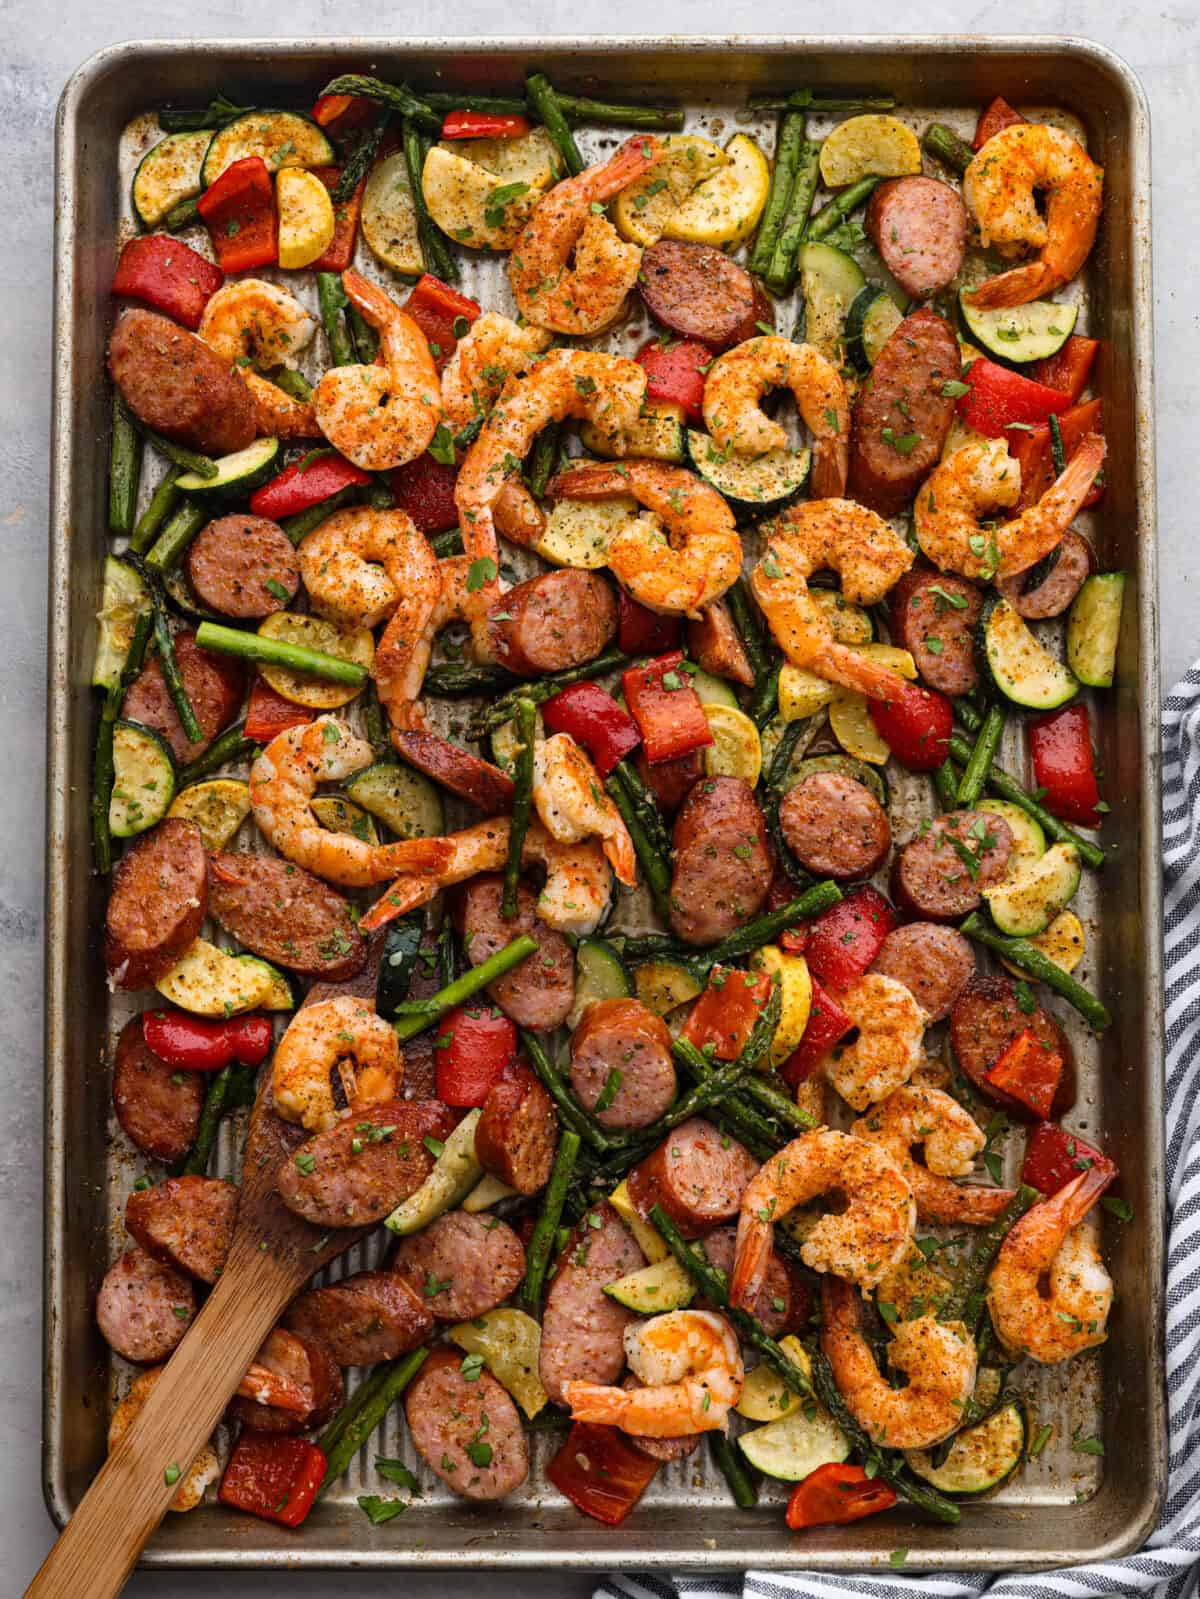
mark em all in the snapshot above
pixel 272 1255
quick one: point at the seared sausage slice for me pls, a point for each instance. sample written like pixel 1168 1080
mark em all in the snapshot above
pixel 919 227
pixel 186 1222
pixel 722 867
pixel 773 1304
pixel 624 1036
pixel 461 1265
pixel 701 293
pixel 215 685
pixel 331 1183
pixel 933 617
pixel 158 902
pixel 285 914
pixel 243 566
pixel 552 622
pixel 582 1329
pixel 933 882
pixel 1049 587
pixel 934 963
pixel 670 781
pixel 174 383
pixel 539 991
pixel 697 1174
pixel 307 1366
pixel 716 646
pixel 364 1319
pixel 835 826
pixel 157 1107
pixel 517 1132
pixel 985 1020
pixel 450 1415
pixel 144 1307
pixel 457 769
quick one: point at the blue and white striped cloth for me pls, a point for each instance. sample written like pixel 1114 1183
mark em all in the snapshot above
pixel 1169 1566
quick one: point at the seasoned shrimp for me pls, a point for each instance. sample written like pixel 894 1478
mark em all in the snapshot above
pixel 887 1048
pixel 283 781
pixel 381 416
pixel 951 1138
pixel 870 558
pixel 1000 187
pixel 737 381
pixel 255 324
pixel 574 899
pixel 689 1366
pixel 863 1243
pixel 586 297
pixel 937 1359
pixel 340 1037
pixel 569 797
pixel 1049 1243
pixel 983 476
pixel 700 555
pixel 494 349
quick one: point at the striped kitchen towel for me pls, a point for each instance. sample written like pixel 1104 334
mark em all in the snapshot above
pixel 1169 1565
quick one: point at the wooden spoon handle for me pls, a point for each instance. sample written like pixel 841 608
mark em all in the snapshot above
pixel 99 1546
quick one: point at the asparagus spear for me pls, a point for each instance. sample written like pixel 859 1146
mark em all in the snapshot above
pixel 812 100
pixel 231 746
pixel 839 208
pixel 232 1086
pixel 522 804
pixel 781 270
pixel 357 1420
pixel 537 1255
pixel 545 103
pixel 172 676
pixel 965 1300
pixel 434 248
pixel 788 143
pixel 102 761
pixel 576 108
pixel 975 774
pixel 298 526
pixel 180 529
pixel 456 680
pixel 1038 965
pixel 190 460
pixel 162 502
pixel 570 1111
pixel 274 652
pixel 742 1485
pixel 761 930
pixel 361 159
pixel 945 146
pixel 397 97
pixel 416 1015
pixel 332 299
pixel 505 708
pixel 125 469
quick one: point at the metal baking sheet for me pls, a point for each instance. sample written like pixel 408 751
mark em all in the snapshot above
pixel 1066 1505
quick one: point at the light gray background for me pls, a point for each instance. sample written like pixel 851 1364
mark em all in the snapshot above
pixel 41 43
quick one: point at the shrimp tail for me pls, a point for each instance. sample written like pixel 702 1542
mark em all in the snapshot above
pixel 752 1252
pixel 635 158
pixel 405 894
pixel 420 857
pixel 366 296
pixel 831 467
pixel 1055 509
pixel 837 663
pixel 596 481
pixel 593 1401
pixel 1018 286
pixel 277 414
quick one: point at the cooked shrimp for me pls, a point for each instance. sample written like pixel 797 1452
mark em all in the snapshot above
pixel 700 555
pixel 863 1243
pixel 689 1365
pixel 204 1469
pixel 586 297
pixel 737 381
pixel 886 1048
pixel 1050 1244
pixel 852 541
pixel 951 1138
pixel 494 349
pixel 381 416
pixel 254 324
pixel 939 1362
pixel 574 898
pixel 517 515
pixel 342 1037
pixel 1000 186
pixel 283 781
pixel 569 797
pixel 280 1374
pixel 983 476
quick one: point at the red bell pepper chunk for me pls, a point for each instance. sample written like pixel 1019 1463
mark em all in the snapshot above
pixel 1028 1071
pixel 594 719
pixel 169 276
pixel 239 210
pixel 474 1044
pixel 601 1472
pixel 641 631
pixel 998 400
pixel 1034 453
pixel 992 118
pixel 675 373
pixel 437 309
pixel 1068 369
pixel 827 1023
pixel 665 707
pixel 1054 1156
pixel 915 725
pixel 725 1014
pixel 269 714
pixel 425 489
pixel 273 1476
pixel 834 1495
pixel 340 114
pixel 199 1044
pixel 483 125
pixel 844 940
pixel 1064 766
pixel 320 474
pixel 340 251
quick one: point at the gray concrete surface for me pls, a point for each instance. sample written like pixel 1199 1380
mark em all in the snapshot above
pixel 41 45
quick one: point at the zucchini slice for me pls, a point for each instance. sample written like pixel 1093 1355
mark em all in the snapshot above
pixel 870 322
pixel 169 173
pixel 488 1191
pixel 654 1289
pixel 1093 628
pixel 1016 664
pixel 579 532
pixel 306 220
pixel 832 281
pixel 237 474
pixel 1029 841
pixel 981 1457
pixel 795 986
pixel 122 600
pixel 1019 333
pixel 404 800
pixel 210 982
pixel 389 217
pixel 850 723
pixel 736 749
pixel 510 1343
pixel 845 766
pixel 794 1446
pixel 278 993
pixel 340 816
pixel 471 204
pixel 643 210
pixel 599 974
pixel 657 436
pixel 750 484
pixel 1063 942
pixel 766 1397
pixel 850 624
pixel 649 1240
pixel 457 1171
pixel 401 946
pixel 143 780
pixel 869 146
pixel 1026 903
pixel 712 690
pixel 724 210
pixel 218 808
pixel 281 138
pixel 662 986
pixel 302 688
